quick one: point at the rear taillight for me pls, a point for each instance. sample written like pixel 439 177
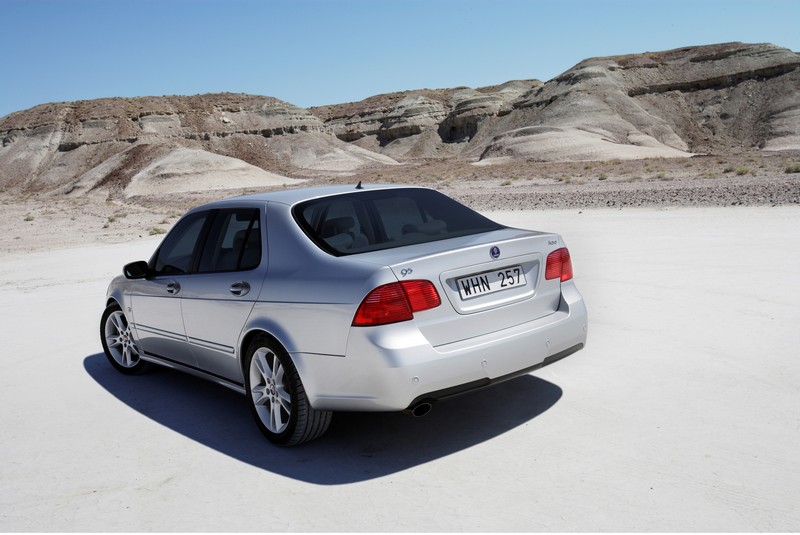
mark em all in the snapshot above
pixel 396 302
pixel 559 265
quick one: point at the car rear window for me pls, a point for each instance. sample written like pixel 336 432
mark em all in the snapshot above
pixel 364 221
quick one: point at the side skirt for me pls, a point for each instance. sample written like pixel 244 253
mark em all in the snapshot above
pixel 163 361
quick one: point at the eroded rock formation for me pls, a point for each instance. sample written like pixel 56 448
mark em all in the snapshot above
pixel 717 98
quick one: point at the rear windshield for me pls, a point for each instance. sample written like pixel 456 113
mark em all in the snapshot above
pixel 374 220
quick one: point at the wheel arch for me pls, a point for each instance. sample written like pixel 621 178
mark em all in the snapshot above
pixel 251 335
pixel 115 295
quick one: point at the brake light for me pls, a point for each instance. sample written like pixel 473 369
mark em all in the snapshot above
pixel 559 265
pixel 395 302
pixel 422 295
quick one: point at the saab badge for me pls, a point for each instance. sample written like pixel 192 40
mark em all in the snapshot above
pixel 495 252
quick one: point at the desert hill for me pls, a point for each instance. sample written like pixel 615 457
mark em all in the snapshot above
pixel 717 99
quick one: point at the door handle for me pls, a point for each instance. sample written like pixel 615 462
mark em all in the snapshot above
pixel 240 288
pixel 173 287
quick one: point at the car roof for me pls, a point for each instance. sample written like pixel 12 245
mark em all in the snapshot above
pixel 293 196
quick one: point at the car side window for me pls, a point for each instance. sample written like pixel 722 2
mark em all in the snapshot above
pixel 233 242
pixel 176 252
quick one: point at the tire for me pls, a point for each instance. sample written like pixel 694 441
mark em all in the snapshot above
pixel 118 342
pixel 277 398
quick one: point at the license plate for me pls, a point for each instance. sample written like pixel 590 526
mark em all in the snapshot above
pixel 490 281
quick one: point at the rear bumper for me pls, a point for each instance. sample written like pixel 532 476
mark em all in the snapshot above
pixel 392 367
pixel 483 383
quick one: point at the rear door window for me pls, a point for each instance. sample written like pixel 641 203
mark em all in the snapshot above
pixel 233 242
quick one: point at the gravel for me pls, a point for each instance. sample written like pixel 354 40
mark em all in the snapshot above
pixel 728 191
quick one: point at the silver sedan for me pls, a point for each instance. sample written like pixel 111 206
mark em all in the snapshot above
pixel 379 298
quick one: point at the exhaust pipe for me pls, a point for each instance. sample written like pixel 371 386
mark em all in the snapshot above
pixel 420 409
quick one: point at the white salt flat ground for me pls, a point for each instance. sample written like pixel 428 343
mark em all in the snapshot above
pixel 682 413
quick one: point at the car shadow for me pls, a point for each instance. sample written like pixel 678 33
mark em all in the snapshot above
pixel 357 447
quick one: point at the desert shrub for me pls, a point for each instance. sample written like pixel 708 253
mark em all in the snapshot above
pixel 28 217
pixel 156 230
pixel 742 170
pixel 793 168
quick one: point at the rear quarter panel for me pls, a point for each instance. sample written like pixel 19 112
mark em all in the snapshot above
pixel 309 297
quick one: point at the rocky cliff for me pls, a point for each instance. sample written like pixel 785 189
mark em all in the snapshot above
pixel 676 103
pixel 81 146
pixel 691 100
pixel 415 124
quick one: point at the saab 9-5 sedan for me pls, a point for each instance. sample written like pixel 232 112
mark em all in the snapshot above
pixel 373 298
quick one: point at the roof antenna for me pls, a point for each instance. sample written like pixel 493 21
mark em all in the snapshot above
pixel 359 186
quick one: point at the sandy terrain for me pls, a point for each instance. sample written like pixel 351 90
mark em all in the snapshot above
pixel 680 415
pixel 108 215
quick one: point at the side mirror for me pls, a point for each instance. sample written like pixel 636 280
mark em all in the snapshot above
pixel 136 270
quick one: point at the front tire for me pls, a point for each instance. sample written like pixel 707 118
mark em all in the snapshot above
pixel 118 342
pixel 277 398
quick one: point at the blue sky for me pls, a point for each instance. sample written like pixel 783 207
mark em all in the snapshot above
pixel 314 52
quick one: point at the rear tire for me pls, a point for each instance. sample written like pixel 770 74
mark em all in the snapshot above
pixel 277 398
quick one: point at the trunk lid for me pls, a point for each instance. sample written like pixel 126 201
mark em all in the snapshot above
pixel 487 282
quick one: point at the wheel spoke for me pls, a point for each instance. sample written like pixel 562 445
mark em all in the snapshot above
pixel 119 322
pixel 285 399
pixel 259 395
pixel 277 369
pixel 260 360
pixel 276 417
pixel 127 360
pixel 258 387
